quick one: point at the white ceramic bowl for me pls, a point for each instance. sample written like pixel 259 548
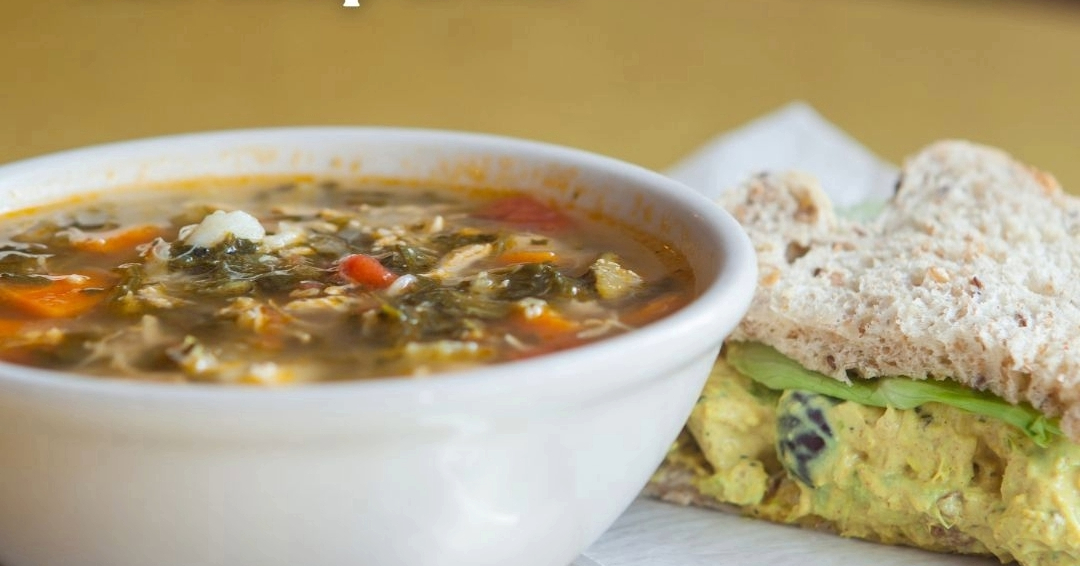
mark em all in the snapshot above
pixel 524 463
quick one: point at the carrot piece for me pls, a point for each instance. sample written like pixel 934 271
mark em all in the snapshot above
pixel 119 240
pixel 653 310
pixel 365 270
pixel 524 211
pixel 63 298
pixel 548 324
pixel 526 256
pixel 549 334
pixel 552 323
pixel 10 327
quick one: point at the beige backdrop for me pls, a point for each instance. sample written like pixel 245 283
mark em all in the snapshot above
pixel 644 80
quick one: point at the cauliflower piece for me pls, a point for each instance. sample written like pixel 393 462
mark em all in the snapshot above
pixel 613 281
pixel 215 227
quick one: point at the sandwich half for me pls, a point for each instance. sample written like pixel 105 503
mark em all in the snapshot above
pixel 912 379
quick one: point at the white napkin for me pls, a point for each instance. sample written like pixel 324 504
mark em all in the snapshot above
pixel 793 138
pixel 651 533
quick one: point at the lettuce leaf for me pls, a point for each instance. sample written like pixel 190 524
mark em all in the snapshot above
pixel 772 369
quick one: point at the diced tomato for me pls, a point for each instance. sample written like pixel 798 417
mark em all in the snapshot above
pixel 525 212
pixel 365 270
pixel 63 298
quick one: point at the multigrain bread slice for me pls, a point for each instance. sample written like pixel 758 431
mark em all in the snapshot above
pixel 968 274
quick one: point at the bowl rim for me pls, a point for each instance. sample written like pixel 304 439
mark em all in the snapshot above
pixel 694 329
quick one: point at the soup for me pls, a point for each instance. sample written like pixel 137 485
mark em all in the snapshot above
pixel 311 282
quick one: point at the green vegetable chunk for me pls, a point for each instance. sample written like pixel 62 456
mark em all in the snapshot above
pixel 776 371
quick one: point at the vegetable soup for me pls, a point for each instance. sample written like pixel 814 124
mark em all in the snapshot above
pixel 319 281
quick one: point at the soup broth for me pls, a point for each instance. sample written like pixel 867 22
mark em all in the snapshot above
pixel 309 282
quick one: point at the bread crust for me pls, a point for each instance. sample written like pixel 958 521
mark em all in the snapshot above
pixel 968 274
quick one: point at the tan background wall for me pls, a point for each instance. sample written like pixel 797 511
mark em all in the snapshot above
pixel 644 80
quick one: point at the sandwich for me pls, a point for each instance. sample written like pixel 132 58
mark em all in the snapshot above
pixel 912 378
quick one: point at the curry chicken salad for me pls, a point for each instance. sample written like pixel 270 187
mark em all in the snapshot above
pixel 318 281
